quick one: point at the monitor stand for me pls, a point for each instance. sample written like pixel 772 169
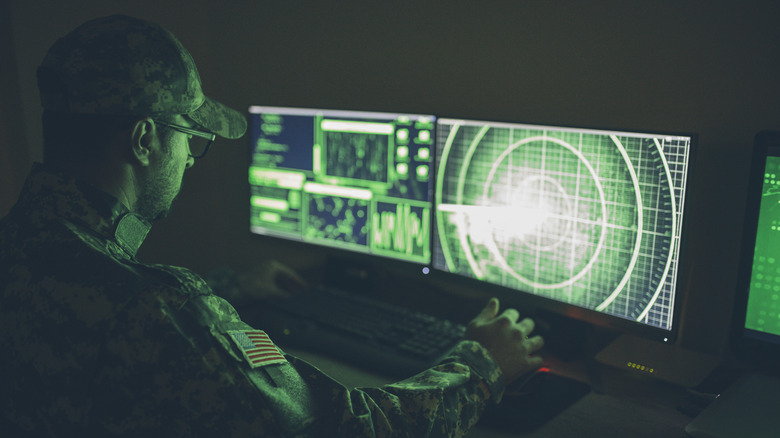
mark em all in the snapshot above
pixel 667 362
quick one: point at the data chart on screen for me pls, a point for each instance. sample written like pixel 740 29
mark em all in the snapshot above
pixel 354 180
pixel 590 218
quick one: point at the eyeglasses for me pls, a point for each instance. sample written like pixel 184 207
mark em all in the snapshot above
pixel 198 149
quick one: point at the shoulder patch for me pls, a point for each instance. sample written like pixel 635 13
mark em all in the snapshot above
pixel 257 347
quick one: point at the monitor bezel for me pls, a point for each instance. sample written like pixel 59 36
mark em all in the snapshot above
pixel 544 308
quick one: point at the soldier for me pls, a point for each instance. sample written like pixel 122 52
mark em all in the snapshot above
pixel 97 343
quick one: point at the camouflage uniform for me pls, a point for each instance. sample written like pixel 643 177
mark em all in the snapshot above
pixel 97 343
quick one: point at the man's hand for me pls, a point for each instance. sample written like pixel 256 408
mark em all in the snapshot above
pixel 506 339
pixel 270 281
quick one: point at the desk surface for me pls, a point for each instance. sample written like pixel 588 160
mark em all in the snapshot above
pixel 625 405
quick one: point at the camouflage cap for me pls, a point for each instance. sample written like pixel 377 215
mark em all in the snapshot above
pixel 120 65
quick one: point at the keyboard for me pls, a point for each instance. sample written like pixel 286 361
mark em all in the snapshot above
pixel 380 337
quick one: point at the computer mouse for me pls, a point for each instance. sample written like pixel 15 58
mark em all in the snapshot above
pixel 529 383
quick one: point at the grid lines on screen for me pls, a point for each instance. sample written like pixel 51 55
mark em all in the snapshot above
pixel 590 218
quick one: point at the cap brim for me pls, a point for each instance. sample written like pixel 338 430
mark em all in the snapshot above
pixel 219 119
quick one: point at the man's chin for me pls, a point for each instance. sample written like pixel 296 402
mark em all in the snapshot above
pixel 161 215
pixel 154 216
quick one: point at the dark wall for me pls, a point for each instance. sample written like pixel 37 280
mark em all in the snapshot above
pixel 696 67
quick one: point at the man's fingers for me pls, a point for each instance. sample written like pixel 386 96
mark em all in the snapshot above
pixel 285 278
pixel 489 311
pixel 534 344
pixel 290 283
pixel 511 314
pixel 535 362
pixel 526 326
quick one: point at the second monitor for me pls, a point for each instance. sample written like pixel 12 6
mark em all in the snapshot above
pixel 586 222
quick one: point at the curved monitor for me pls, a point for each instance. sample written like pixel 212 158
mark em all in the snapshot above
pixel 583 222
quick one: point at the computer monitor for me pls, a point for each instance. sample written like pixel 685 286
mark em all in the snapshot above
pixel 354 180
pixel 757 309
pixel 585 223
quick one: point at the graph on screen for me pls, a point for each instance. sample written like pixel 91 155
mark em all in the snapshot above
pixel 354 180
pixel 585 217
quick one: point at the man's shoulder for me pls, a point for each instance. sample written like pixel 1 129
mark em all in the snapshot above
pixel 71 267
pixel 184 281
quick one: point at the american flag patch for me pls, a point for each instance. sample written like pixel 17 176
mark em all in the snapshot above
pixel 257 347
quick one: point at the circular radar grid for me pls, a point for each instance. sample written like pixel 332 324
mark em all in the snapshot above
pixel 556 213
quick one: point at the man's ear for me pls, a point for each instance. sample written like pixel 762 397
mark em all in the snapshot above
pixel 142 137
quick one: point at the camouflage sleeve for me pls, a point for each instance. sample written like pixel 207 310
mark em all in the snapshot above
pixel 444 401
pixel 174 375
pixel 198 382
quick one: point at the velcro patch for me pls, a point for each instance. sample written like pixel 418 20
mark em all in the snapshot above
pixel 257 347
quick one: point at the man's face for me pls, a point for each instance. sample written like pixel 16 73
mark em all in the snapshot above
pixel 163 181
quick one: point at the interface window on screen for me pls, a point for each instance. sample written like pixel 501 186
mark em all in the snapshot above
pixel 585 217
pixel 358 181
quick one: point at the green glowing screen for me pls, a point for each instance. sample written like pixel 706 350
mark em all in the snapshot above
pixel 589 218
pixel 359 181
pixel 763 307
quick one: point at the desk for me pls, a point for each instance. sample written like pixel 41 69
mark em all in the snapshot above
pixel 627 406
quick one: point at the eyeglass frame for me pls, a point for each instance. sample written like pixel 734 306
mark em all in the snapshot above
pixel 210 136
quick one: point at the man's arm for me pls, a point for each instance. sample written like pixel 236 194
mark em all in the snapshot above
pixel 443 401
